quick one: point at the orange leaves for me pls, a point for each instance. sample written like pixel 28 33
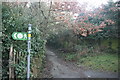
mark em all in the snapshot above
pixel 114 9
pixel 66 21
pixel 88 29
pixel 81 21
pixel 66 6
pixel 102 25
pixel 109 21
pixel 18 2
pixel 84 34
pixel 99 30
pixel 62 13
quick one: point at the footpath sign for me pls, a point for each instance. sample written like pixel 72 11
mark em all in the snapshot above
pixel 19 36
pixel 25 36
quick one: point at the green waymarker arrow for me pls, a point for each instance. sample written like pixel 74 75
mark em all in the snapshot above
pixel 19 35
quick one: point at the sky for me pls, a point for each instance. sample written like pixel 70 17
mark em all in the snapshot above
pixel 94 3
pixel 91 3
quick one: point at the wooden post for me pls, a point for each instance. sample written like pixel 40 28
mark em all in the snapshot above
pixel 11 72
pixel 14 62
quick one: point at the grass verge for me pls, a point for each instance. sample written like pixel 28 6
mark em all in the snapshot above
pixel 103 62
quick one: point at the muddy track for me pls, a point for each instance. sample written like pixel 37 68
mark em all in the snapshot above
pixel 61 69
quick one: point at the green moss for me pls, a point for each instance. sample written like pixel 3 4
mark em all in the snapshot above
pixel 114 43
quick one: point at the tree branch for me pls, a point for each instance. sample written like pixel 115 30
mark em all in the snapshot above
pixel 42 11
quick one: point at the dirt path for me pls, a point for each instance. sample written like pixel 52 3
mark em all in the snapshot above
pixel 60 69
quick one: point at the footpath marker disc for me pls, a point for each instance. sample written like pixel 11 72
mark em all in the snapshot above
pixel 19 35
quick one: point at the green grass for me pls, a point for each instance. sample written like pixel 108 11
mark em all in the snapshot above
pixel 69 56
pixel 107 62
pixel 103 61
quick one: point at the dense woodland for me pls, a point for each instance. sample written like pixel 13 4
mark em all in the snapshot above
pixel 64 26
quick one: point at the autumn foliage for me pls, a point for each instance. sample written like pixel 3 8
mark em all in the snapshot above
pixel 82 22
